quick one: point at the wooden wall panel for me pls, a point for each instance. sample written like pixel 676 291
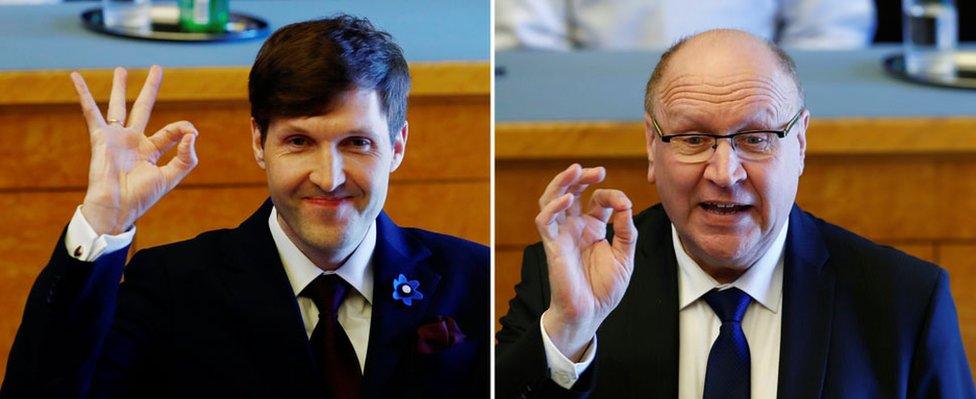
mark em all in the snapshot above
pixel 518 186
pixel 895 197
pixel 186 212
pixel 460 209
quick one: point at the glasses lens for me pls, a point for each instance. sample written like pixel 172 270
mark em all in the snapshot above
pixel 756 145
pixel 692 145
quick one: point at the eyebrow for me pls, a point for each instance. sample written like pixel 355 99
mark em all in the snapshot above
pixel 358 131
pixel 686 124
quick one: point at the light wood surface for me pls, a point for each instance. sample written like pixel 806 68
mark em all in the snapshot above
pixel 218 83
pixel 442 185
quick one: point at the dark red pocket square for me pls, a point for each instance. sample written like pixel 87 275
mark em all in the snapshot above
pixel 438 335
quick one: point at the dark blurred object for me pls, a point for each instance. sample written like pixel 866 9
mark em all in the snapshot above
pixel 889 21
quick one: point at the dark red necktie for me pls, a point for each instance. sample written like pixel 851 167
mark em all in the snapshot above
pixel 331 347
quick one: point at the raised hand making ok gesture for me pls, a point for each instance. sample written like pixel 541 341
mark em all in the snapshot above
pixel 124 180
pixel 587 274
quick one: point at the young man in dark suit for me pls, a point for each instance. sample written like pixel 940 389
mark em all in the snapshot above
pixel 726 289
pixel 317 294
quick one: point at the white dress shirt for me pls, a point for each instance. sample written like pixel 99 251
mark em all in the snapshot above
pixel 657 24
pixel 698 326
pixel 357 309
pixel 83 243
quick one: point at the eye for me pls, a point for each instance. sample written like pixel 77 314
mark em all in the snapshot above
pixel 297 141
pixel 359 142
pixel 753 139
pixel 692 140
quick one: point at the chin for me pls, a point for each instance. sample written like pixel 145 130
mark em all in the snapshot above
pixel 725 249
pixel 326 238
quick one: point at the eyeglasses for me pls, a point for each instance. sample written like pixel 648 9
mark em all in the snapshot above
pixel 753 145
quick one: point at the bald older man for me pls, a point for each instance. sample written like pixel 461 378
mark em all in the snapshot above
pixel 726 289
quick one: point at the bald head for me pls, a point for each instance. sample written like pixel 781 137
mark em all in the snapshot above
pixel 720 55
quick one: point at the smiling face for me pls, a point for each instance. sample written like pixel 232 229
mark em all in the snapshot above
pixel 726 210
pixel 328 174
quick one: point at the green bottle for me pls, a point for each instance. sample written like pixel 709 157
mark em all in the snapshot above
pixel 204 15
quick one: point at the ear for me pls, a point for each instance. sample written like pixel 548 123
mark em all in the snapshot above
pixel 256 145
pixel 801 136
pixel 650 138
pixel 399 147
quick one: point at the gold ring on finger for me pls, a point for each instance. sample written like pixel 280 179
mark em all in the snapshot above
pixel 112 120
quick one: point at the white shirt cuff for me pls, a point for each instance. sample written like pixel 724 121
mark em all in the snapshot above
pixel 562 370
pixel 83 243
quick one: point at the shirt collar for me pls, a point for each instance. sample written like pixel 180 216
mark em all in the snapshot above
pixel 762 281
pixel 357 271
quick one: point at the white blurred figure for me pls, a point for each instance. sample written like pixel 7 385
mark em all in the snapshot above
pixel 656 24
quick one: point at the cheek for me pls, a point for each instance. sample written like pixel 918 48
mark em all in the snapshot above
pixel 776 187
pixel 370 174
pixel 677 184
pixel 286 175
pixel 681 181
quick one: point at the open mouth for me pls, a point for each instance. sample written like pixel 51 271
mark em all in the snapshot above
pixel 724 208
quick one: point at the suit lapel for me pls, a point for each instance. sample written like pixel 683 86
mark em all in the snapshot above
pixel 270 325
pixel 392 332
pixel 808 300
pixel 652 308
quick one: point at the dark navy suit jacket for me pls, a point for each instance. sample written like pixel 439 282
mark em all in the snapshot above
pixel 216 317
pixel 859 321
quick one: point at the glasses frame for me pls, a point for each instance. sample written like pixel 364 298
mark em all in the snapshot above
pixel 779 133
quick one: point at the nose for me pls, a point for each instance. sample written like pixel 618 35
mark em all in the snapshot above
pixel 327 171
pixel 724 167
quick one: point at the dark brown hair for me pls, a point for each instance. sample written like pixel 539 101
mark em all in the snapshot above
pixel 304 67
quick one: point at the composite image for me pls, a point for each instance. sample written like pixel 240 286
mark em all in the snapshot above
pixel 346 199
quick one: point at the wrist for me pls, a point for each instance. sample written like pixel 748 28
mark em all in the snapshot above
pixel 102 219
pixel 571 338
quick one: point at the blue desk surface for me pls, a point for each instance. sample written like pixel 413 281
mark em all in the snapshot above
pixel 602 86
pixel 52 37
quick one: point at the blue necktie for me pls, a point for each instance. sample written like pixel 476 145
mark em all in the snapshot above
pixel 727 375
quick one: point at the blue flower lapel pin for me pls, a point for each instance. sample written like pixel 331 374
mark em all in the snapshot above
pixel 406 290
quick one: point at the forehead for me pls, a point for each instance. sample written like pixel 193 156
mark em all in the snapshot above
pixel 738 95
pixel 732 81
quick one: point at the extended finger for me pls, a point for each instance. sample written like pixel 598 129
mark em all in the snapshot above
pixel 557 186
pixel 142 108
pixel 185 160
pixel 93 116
pixel 169 136
pixel 549 213
pixel 573 180
pixel 116 102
